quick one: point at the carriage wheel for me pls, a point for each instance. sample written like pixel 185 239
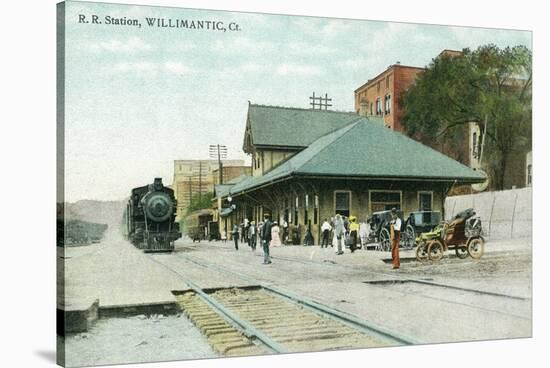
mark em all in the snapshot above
pixel 435 250
pixel 385 241
pixel 461 252
pixel 409 237
pixel 476 247
pixel 422 252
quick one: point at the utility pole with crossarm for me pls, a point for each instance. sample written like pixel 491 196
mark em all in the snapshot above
pixel 220 152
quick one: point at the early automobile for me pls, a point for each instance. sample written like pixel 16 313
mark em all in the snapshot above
pixel 420 222
pixel 463 234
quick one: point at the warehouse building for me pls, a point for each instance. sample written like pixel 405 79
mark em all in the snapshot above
pixel 197 176
pixel 311 164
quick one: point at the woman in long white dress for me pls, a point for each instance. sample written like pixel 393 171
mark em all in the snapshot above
pixel 363 234
pixel 275 238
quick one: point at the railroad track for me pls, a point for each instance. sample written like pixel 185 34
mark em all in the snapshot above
pixel 262 319
pixel 498 298
pixel 392 276
pixel 396 278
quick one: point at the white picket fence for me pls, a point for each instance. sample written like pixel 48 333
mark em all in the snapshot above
pixel 504 214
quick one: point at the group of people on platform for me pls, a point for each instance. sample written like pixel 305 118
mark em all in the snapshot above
pixel 344 229
pixel 348 231
pixel 266 232
pixel 340 231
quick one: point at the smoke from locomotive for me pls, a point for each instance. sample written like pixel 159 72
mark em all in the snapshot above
pixel 150 218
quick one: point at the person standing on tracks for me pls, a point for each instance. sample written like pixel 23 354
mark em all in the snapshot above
pixel 395 235
pixel 265 236
pixel 339 230
pixel 235 234
pixel 325 228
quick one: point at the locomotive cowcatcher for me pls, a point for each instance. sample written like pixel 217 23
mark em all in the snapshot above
pixel 150 218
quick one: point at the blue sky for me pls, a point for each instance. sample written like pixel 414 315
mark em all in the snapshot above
pixel 139 98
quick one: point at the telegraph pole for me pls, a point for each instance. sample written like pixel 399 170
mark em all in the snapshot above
pixel 220 152
pixel 200 181
pixel 190 191
pixel 320 101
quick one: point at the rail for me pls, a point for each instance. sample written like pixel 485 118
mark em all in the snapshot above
pixel 332 313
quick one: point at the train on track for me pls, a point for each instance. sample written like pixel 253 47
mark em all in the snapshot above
pixel 150 217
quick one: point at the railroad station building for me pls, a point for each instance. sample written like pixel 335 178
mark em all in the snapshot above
pixel 308 165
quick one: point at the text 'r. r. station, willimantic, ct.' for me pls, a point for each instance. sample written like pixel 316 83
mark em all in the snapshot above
pixel 190 24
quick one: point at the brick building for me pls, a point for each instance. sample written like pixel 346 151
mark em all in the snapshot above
pixel 230 173
pixel 194 176
pixel 380 95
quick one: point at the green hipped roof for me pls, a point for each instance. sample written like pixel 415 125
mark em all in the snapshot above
pixel 293 127
pixel 367 149
pixel 221 190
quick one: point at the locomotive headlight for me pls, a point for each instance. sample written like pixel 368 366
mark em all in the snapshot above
pixel 158 206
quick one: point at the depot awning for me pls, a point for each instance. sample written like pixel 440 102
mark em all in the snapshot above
pixel 226 211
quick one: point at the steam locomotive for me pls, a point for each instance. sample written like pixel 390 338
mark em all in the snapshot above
pixel 150 218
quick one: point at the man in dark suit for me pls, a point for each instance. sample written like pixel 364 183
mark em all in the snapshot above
pixel 265 236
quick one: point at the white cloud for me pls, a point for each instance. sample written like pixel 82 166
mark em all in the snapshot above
pixel 242 45
pixel 186 45
pixel 307 48
pixel 323 28
pixel 298 70
pixel 131 45
pixel 136 67
pixel 145 68
pixel 355 63
pixel 254 68
pixel 177 68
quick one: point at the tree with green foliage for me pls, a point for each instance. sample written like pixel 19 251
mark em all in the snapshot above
pixel 200 201
pixel 490 87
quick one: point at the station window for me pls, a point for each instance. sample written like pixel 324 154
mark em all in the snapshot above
pixel 387 103
pixel 383 200
pixel 425 201
pixel 342 202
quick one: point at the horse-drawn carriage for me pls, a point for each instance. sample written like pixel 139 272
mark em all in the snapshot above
pixel 463 234
pixel 416 223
